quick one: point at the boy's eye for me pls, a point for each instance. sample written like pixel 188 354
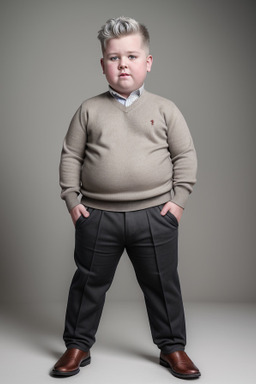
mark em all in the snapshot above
pixel 113 58
pixel 132 57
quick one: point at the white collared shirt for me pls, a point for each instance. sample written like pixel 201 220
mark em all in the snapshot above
pixel 130 99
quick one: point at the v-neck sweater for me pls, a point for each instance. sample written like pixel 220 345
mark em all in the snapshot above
pixel 122 158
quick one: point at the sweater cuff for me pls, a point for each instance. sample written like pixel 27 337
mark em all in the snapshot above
pixel 180 196
pixel 71 200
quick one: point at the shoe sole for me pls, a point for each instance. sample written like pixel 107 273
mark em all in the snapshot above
pixel 179 375
pixel 71 373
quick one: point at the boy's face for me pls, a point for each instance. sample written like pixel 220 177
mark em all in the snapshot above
pixel 125 63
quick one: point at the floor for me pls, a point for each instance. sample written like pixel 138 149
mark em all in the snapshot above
pixel 221 342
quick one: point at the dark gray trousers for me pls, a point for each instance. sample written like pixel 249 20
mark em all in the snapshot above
pixel 150 240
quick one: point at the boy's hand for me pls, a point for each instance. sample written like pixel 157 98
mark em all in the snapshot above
pixel 77 211
pixel 175 209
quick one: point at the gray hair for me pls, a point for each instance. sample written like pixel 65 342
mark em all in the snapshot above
pixel 122 26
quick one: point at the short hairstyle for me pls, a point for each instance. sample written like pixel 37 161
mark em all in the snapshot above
pixel 122 26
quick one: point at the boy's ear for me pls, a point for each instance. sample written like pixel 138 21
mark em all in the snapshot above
pixel 149 63
pixel 102 65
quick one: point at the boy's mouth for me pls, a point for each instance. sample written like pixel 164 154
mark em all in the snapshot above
pixel 124 75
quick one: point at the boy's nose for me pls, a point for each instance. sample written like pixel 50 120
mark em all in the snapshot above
pixel 122 64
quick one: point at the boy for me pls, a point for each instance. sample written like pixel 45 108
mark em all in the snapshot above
pixel 130 155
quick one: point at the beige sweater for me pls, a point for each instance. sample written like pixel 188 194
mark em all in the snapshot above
pixel 127 158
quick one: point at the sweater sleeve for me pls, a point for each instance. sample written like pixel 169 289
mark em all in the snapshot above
pixel 72 158
pixel 183 156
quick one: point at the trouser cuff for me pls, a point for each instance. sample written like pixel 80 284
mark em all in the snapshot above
pixel 173 348
pixel 78 346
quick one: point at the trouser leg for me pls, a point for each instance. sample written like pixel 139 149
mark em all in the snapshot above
pixel 152 248
pixel 97 252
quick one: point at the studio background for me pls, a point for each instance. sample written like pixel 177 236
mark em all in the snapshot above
pixel 204 61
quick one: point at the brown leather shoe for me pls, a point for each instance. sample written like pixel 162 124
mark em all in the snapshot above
pixel 70 361
pixel 180 365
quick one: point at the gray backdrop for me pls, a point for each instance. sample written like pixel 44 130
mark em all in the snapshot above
pixel 204 60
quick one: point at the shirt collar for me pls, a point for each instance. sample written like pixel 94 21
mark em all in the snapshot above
pixel 116 95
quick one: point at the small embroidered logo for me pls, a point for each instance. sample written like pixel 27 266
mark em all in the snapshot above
pixel 152 122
